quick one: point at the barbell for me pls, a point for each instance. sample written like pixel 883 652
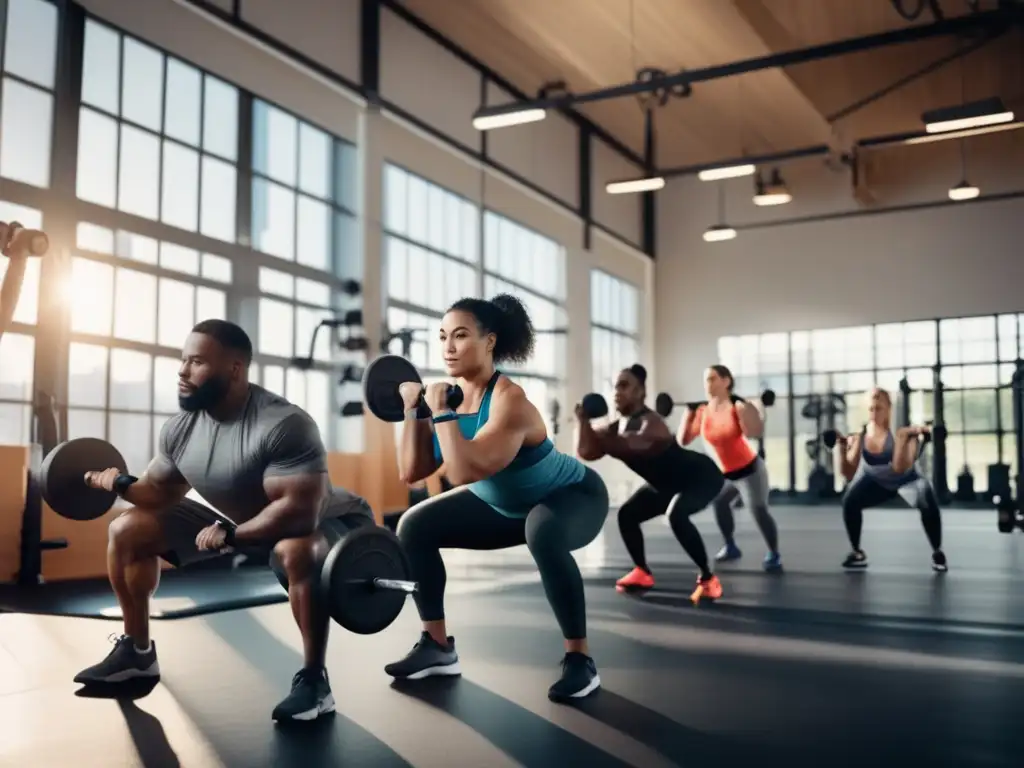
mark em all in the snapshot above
pixel 364 579
pixel 664 403
pixel 381 381
pixel 938 432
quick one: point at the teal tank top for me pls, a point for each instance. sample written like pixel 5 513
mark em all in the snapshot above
pixel 534 473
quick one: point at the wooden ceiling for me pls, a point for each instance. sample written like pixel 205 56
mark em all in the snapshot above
pixel 592 44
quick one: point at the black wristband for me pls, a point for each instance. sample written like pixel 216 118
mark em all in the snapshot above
pixel 229 533
pixel 122 483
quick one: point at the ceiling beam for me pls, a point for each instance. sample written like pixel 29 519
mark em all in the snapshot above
pixel 954 26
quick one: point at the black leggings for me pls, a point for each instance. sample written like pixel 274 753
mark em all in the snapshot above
pixel 568 519
pixel 864 492
pixel 648 502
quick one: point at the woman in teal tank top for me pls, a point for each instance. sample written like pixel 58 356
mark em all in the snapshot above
pixel 513 487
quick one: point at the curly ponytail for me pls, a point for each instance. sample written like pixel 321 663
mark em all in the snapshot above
pixel 507 318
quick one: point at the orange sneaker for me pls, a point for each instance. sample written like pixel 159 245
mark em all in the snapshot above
pixel 638 578
pixel 707 589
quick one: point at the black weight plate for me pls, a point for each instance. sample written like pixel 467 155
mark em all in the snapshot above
pixel 594 405
pixel 663 404
pixel 380 386
pixel 62 478
pixel 346 581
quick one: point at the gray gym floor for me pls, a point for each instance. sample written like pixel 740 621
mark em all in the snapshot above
pixel 814 667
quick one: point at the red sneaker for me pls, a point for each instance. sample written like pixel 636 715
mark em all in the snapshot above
pixel 638 578
pixel 707 589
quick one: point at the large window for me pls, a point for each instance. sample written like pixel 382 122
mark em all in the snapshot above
pixel 614 329
pixel 303 191
pixel 973 356
pixel 26 96
pixel 158 138
pixel 531 267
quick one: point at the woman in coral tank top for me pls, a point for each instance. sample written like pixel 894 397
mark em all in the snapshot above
pixel 725 423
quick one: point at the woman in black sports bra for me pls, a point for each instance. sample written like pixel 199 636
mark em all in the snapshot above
pixel 679 482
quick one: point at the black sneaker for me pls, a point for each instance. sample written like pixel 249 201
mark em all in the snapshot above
pixel 856 560
pixel 579 678
pixel 939 561
pixel 310 697
pixel 123 663
pixel 427 658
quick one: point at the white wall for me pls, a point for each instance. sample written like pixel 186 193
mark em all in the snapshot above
pixel 953 260
pixel 431 84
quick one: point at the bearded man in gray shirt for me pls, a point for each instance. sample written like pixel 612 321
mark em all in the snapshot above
pixel 260 463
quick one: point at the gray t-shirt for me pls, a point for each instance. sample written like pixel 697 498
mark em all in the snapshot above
pixel 226 461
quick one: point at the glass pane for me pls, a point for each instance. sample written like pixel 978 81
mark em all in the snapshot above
pixel 87 423
pixel 318 400
pixel 137 247
pixel 142 84
pixel 139 173
pixel 96 181
pixel 87 375
pixel 17 358
pixel 220 118
pixel 1006 409
pixel 347 256
pixel 219 192
pixel 276 328
pixel 165 384
pixel 211 304
pixel 435 218
pixel 398 269
pixel 273 219
pixel 15 424
pixel 131 379
pixel 135 306
pixel 418 281
pixel 158 425
pixel 27 309
pixel 314 161
pixel 181 120
pixel 395 199
pixel 90 237
pixel 92 296
pixel 30 49
pixel 273 379
pixel 179 258
pixel 26 126
pixel 312 292
pixel 314 234
pixel 180 199
pixel 176 312
pixel 1007 328
pixel 216 268
pixel 101 75
pixel 130 432
pixel 276 283
pixel 274 143
pixel 417 209
pixel 470 239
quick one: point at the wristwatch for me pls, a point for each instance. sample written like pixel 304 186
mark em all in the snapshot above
pixel 229 533
pixel 123 482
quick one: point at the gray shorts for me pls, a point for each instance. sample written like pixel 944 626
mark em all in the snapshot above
pixel 182 522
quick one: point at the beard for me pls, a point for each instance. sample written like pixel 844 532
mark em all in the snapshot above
pixel 207 395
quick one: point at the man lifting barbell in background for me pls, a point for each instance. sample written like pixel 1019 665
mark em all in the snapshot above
pixel 878 467
pixel 726 422
pixel 260 461
pixel 679 483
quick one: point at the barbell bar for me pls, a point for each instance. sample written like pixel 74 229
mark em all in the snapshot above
pixel 664 403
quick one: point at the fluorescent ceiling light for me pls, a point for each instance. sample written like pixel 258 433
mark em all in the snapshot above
pixel 650 184
pixel 930 137
pixel 484 121
pixel 964 191
pixel 718 233
pixel 726 172
pixel 976 114
pixel 773 198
